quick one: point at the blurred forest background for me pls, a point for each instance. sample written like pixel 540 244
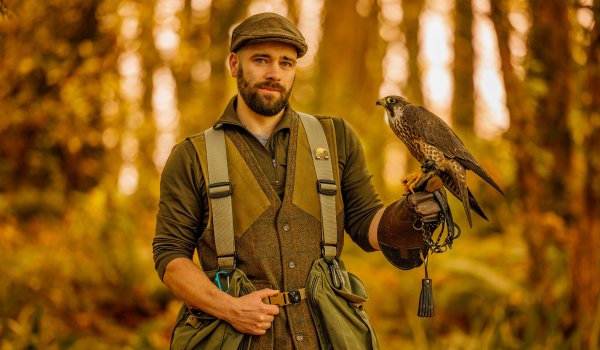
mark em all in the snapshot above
pixel 95 93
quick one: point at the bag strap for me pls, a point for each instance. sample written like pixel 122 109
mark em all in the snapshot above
pixel 326 185
pixel 219 193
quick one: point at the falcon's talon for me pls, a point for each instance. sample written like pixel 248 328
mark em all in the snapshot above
pixel 429 166
pixel 411 180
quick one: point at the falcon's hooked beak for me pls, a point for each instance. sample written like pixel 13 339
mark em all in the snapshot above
pixel 382 102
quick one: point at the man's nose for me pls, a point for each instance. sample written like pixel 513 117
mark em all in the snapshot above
pixel 274 72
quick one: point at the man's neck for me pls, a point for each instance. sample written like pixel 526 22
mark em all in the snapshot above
pixel 256 123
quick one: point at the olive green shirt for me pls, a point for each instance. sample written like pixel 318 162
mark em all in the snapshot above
pixel 183 207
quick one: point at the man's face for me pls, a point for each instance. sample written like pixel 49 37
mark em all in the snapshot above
pixel 265 75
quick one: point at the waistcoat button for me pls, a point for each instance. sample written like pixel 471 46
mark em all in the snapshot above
pixel 299 337
pixel 286 227
pixel 291 264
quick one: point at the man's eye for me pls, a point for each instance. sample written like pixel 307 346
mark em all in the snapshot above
pixel 260 60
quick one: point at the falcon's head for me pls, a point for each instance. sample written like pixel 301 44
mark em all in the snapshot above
pixel 394 105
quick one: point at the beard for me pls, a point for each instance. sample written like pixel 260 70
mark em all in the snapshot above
pixel 266 105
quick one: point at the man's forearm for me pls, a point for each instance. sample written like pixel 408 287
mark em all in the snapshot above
pixel 190 284
pixel 247 314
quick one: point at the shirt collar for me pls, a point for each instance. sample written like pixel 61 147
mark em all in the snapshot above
pixel 230 117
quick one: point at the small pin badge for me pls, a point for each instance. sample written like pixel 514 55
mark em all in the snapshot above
pixel 321 153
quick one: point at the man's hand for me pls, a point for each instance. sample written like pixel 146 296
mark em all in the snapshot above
pixel 397 228
pixel 425 206
pixel 423 201
pixel 249 314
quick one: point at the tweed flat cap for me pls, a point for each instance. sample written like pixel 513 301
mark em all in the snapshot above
pixel 264 27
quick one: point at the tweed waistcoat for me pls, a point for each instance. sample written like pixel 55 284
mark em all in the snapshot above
pixel 276 240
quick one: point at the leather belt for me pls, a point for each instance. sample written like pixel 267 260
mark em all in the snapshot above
pixel 286 298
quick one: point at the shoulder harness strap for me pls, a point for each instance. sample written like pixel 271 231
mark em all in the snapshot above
pixel 326 185
pixel 220 189
pixel 219 193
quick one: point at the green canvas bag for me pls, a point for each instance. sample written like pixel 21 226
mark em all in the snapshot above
pixel 200 330
pixel 338 312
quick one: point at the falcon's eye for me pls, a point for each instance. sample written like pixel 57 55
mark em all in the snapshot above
pixel 391 100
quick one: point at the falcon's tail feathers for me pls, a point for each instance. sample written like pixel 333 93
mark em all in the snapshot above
pixel 451 186
pixel 465 201
pixel 475 206
pixel 463 190
pixel 477 169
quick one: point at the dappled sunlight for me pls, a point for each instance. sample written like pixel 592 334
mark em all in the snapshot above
pixel 132 91
pixel 490 98
pixel 309 23
pixel 394 65
pixel 436 58
pixel 277 6
pixel 164 93
pixel 166 115
pixel 395 165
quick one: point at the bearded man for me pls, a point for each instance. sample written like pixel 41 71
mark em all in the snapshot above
pixel 285 299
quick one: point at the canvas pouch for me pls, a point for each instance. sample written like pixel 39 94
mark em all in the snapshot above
pixel 200 330
pixel 338 313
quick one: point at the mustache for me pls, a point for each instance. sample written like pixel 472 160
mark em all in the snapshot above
pixel 270 85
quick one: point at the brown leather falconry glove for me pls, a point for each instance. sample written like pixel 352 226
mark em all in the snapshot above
pixel 400 231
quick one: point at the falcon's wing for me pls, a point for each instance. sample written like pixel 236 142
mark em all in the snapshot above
pixel 436 132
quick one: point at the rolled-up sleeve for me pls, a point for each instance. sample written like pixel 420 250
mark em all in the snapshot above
pixel 361 201
pixel 179 219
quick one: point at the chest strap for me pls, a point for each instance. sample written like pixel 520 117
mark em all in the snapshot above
pixel 326 185
pixel 219 195
pixel 220 189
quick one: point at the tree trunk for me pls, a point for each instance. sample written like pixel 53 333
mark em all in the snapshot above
pixel 544 164
pixel 546 153
pixel 584 262
pixel 349 52
pixel 349 75
pixel 224 13
pixel 463 103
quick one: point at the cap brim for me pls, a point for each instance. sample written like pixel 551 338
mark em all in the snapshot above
pixel 301 50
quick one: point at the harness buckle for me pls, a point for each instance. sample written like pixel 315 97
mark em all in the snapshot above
pixel 286 298
pixel 219 189
pixel 326 187
pixel 294 297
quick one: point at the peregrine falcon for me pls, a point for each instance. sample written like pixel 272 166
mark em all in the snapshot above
pixel 433 144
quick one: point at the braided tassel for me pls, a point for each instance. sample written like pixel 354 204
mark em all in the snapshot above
pixel 426 297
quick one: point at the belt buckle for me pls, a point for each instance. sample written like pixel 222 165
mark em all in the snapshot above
pixel 294 297
pixel 278 299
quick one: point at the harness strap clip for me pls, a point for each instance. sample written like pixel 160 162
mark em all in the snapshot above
pixel 326 187
pixel 219 189
pixel 286 298
pixel 218 280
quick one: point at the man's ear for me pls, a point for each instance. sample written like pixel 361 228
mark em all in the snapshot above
pixel 234 64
